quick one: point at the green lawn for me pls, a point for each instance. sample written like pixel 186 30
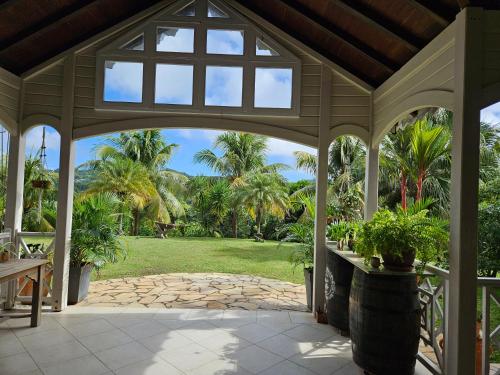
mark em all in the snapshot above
pixel 149 256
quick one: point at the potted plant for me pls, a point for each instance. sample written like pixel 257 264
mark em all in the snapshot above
pixel 303 254
pixel 5 252
pixel 338 232
pixel 94 241
pixel 398 237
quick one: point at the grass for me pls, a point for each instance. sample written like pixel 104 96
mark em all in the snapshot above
pixel 149 256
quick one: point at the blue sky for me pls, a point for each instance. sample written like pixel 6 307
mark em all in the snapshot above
pixel 191 141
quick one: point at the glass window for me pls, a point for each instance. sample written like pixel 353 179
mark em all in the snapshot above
pixel 215 12
pixel 174 84
pixel 224 86
pixel 263 49
pixel 174 39
pixel 225 42
pixel 123 82
pixel 136 44
pixel 188 11
pixel 273 88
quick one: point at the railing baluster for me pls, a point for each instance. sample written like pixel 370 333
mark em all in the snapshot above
pixel 485 360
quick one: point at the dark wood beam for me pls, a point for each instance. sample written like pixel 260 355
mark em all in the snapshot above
pixel 271 17
pixel 6 3
pixel 439 13
pixel 57 18
pixel 463 3
pixel 332 30
pixel 381 23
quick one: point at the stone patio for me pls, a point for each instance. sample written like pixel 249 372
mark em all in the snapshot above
pixel 198 290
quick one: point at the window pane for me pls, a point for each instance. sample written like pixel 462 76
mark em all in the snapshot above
pixel 214 12
pixel 262 49
pixel 223 86
pixel 225 42
pixel 174 84
pixel 172 39
pixel 273 88
pixel 123 82
pixel 187 11
pixel 136 44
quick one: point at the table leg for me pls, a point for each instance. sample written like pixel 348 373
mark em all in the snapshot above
pixel 36 302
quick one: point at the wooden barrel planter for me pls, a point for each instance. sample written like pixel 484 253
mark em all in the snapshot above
pixel 337 289
pixel 384 322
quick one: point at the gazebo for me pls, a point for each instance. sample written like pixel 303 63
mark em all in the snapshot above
pixel 342 67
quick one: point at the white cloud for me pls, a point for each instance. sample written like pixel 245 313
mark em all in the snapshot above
pixel 273 88
pixel 280 147
pixel 225 42
pixel 175 40
pixel 123 81
pixel 174 84
pixel 34 139
pixel 491 114
pixel 224 86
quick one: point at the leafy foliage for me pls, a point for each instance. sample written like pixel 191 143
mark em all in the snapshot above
pixel 489 239
pixel 396 233
pixel 93 238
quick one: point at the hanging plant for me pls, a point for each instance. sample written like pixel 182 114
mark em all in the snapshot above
pixel 41 183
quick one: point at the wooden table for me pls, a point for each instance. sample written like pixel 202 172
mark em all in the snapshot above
pixel 13 269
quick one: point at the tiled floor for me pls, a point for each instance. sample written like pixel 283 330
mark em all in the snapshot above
pixel 93 341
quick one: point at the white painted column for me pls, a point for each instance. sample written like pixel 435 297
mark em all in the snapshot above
pixel 371 181
pixel 14 201
pixel 65 193
pixel 321 190
pixel 460 347
pixel 15 182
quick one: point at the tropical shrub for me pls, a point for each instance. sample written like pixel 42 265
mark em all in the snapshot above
pixel 396 233
pixel 303 235
pixel 93 238
pixel 488 261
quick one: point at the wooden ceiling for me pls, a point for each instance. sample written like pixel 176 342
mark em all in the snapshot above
pixel 369 38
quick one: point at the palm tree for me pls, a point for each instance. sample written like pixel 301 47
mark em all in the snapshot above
pixel 395 162
pixel 345 162
pixel 130 181
pixel 264 193
pixel 345 173
pixel 242 153
pixel 148 149
pixel 430 152
pixel 210 199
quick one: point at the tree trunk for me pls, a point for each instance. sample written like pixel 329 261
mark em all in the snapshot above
pixel 403 185
pixel 258 219
pixel 137 218
pixel 234 223
pixel 420 184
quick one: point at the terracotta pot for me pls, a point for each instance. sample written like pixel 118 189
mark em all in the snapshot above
pixel 394 263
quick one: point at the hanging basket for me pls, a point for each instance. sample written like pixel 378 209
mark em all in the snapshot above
pixel 41 184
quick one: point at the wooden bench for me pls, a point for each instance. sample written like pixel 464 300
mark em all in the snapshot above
pixel 15 268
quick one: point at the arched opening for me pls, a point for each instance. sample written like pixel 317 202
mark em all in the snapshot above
pixel 40 179
pixel 415 175
pixel 199 184
pixel 4 160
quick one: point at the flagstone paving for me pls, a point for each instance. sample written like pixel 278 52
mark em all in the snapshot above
pixel 198 290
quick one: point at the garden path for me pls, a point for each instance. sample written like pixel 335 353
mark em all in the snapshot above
pixel 198 290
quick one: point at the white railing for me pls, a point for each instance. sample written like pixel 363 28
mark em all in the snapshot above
pixel 5 237
pixel 25 248
pixel 434 292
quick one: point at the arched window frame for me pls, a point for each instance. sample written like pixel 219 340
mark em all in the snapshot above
pixel 199 60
